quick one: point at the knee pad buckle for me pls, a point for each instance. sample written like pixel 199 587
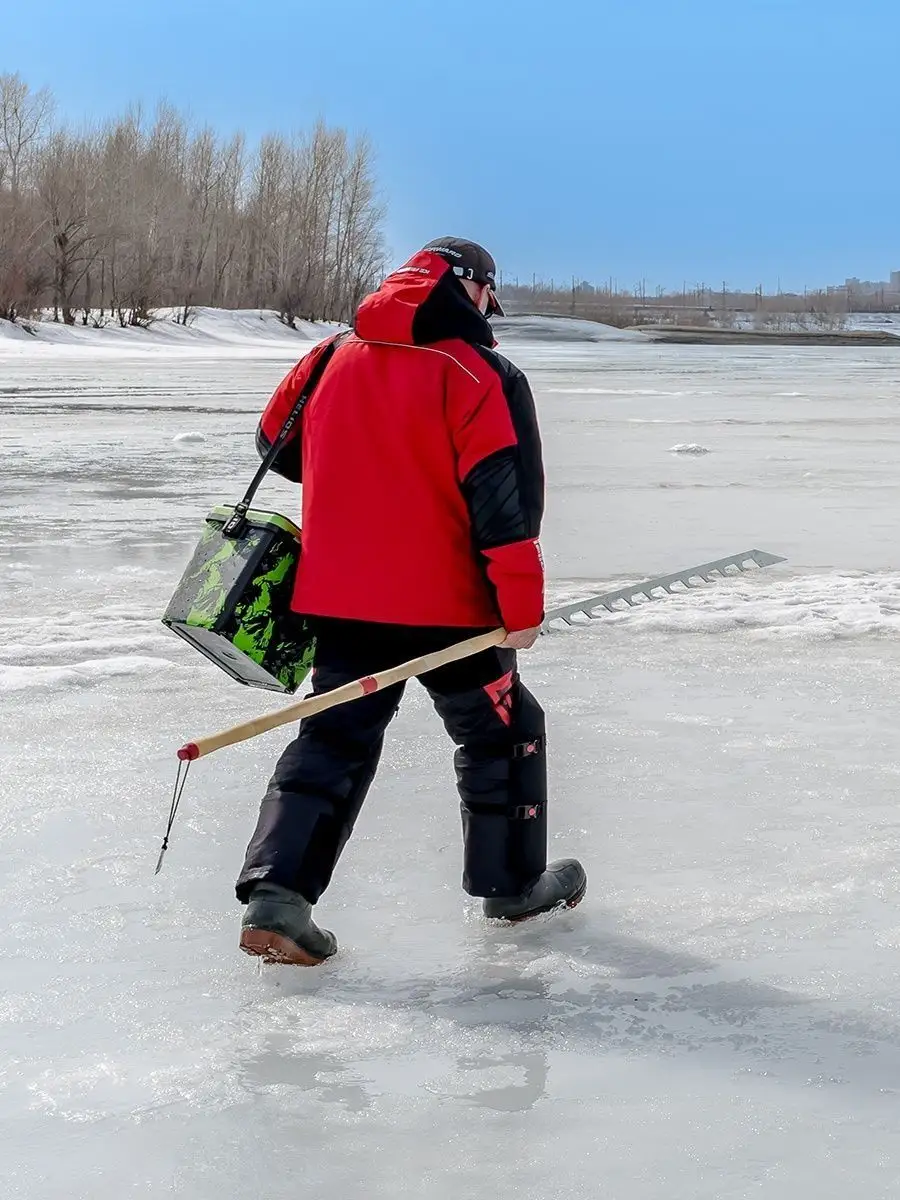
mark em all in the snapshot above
pixel 528 812
pixel 526 749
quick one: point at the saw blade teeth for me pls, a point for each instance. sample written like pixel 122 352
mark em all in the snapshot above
pixel 637 593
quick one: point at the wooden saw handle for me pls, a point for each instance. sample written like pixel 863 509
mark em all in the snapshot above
pixel 350 691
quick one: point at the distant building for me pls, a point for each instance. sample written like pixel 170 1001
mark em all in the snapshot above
pixel 866 287
pixel 869 288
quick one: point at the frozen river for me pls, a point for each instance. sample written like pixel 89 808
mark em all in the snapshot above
pixel 720 1019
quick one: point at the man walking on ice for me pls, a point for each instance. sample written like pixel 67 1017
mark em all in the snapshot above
pixel 423 494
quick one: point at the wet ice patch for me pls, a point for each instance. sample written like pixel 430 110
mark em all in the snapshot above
pixel 92 671
pixel 16 572
pixel 607 391
pixel 51 651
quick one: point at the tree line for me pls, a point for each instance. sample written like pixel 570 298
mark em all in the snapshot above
pixel 112 222
pixel 696 305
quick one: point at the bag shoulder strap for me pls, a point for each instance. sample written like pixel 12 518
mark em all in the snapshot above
pixel 234 526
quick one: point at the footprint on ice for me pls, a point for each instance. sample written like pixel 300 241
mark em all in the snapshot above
pixel 186 439
pixel 689 448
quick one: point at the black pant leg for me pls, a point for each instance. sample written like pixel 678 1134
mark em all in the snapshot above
pixel 323 776
pixel 501 770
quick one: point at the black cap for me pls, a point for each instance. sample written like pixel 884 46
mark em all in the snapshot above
pixel 469 261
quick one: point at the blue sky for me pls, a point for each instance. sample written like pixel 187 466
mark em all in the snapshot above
pixel 674 140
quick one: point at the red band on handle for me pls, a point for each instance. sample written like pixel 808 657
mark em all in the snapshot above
pixel 368 685
pixel 189 752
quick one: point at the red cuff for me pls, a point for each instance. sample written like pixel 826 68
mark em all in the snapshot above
pixel 517 574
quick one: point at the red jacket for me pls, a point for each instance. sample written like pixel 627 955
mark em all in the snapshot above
pixel 423 484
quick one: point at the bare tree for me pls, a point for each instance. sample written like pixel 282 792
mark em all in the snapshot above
pixel 65 182
pixel 22 276
pixel 358 243
pixel 207 236
pixel 24 121
pixel 226 228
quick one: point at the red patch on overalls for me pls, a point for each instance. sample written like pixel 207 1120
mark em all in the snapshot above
pixel 500 693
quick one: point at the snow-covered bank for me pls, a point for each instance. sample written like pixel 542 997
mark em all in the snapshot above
pixel 244 331
pixel 560 329
pixel 209 329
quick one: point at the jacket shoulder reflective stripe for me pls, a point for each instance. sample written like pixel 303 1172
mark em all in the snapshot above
pixel 429 349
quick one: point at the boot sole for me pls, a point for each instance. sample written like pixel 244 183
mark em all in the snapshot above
pixel 276 948
pixel 572 902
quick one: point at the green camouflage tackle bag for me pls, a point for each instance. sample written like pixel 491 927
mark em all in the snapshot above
pixel 233 602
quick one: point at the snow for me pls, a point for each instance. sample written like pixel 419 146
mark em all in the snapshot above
pixel 689 448
pixel 719 1019
pixel 209 330
pixel 542 329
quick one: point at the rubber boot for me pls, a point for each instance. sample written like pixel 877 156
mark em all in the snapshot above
pixel 278 928
pixel 563 883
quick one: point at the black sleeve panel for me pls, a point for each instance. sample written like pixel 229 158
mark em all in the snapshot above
pixel 289 459
pixel 495 506
pixel 527 454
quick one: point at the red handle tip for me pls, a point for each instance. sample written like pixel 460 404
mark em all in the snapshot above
pixel 189 752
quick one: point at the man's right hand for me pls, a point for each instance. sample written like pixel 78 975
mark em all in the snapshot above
pixel 522 639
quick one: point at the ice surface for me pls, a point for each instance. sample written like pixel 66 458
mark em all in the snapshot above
pixel 719 1019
